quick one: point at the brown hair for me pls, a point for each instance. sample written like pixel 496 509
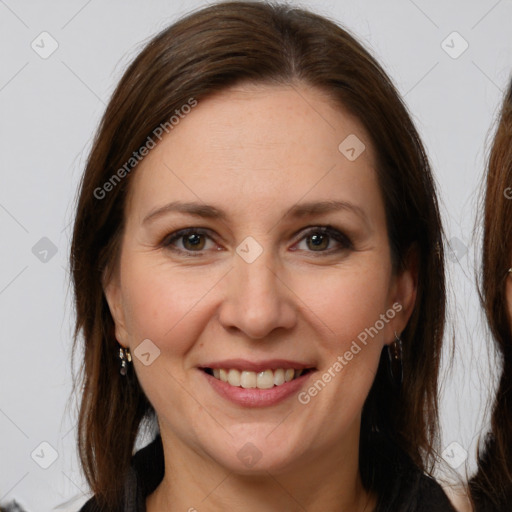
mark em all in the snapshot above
pixel 203 53
pixel 491 488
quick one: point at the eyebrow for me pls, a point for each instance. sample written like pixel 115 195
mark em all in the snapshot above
pixel 297 211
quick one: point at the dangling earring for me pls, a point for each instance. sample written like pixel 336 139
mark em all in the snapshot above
pixel 125 357
pixel 395 352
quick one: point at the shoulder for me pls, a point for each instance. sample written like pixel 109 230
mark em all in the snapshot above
pixel 416 492
pixel 404 487
pixel 145 473
pixel 431 496
pixel 90 506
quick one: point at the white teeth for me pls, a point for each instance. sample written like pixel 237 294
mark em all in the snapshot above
pixel 261 380
pixel 266 379
pixel 279 377
pixel 234 377
pixel 248 380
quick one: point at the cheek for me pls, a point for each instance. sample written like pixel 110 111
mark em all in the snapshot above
pixel 357 309
pixel 355 319
pixel 162 304
pixel 348 303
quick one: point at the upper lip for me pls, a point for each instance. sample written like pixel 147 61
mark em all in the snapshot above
pixel 257 366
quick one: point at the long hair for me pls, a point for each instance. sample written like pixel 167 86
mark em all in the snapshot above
pixel 205 52
pixel 491 487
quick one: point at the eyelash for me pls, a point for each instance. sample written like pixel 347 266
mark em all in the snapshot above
pixel 329 231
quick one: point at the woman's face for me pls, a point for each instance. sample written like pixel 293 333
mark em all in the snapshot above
pixel 257 288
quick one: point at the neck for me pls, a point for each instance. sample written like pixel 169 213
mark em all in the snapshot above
pixel 327 480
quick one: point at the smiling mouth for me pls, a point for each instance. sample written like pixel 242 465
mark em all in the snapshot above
pixel 261 380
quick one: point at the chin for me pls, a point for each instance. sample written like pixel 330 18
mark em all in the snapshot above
pixel 257 454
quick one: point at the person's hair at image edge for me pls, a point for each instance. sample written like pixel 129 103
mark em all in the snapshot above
pixel 491 487
pixel 204 53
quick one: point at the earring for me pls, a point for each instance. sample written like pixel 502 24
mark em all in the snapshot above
pixel 125 358
pixel 395 352
pixel 510 270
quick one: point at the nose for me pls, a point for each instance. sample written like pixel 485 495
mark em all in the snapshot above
pixel 257 299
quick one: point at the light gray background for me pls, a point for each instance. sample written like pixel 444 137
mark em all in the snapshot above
pixel 50 109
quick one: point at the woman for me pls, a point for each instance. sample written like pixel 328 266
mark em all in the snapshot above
pixel 258 264
pixel 491 487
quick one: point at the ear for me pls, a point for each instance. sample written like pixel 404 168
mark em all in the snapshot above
pixel 112 290
pixel 403 292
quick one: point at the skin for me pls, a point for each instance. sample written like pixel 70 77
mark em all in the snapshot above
pixel 459 498
pixel 255 151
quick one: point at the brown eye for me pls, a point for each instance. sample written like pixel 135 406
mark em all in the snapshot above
pixel 191 240
pixel 319 239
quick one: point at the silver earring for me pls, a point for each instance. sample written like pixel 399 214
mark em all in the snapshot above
pixel 395 353
pixel 125 358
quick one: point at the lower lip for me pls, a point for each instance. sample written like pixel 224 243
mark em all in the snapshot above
pixel 254 397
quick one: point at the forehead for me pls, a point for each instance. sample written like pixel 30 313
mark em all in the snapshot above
pixel 262 144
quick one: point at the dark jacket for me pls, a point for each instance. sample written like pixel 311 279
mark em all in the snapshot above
pixel 412 492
